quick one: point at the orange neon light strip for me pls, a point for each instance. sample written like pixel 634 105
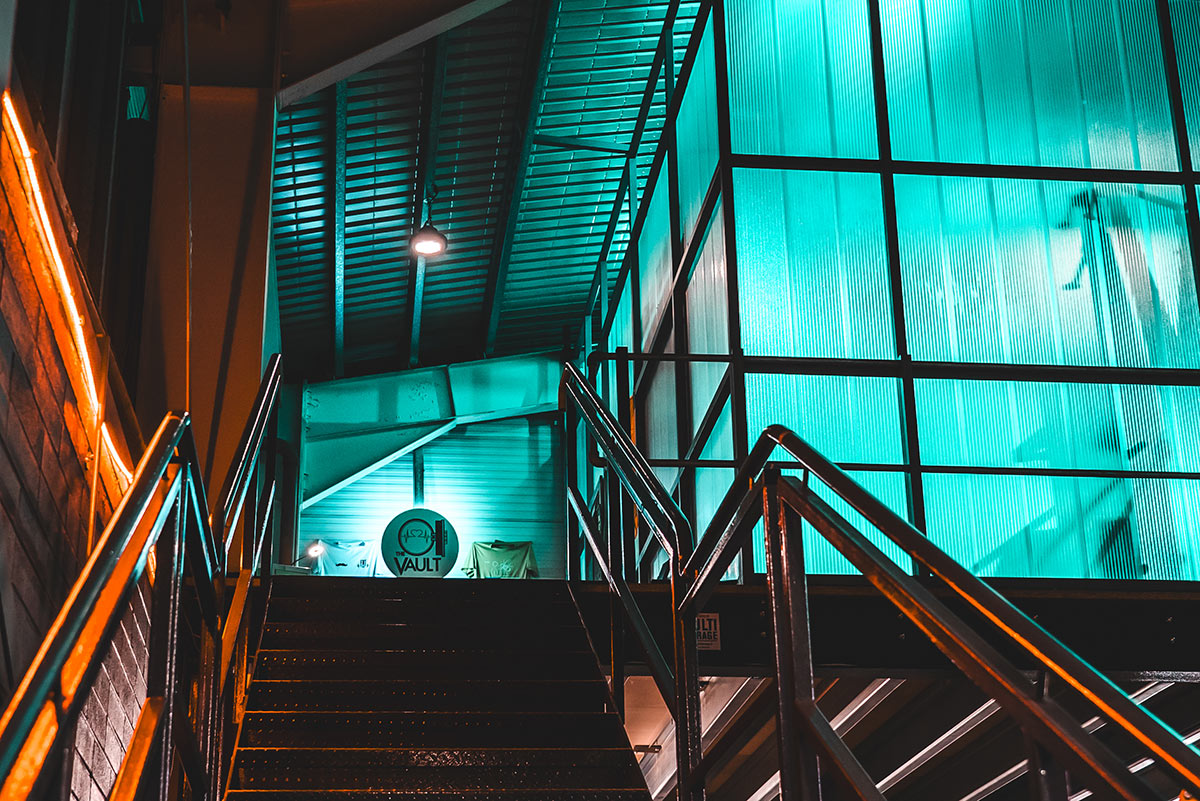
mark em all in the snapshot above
pixel 58 268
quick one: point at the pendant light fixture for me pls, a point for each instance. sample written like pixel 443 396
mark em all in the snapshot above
pixel 428 241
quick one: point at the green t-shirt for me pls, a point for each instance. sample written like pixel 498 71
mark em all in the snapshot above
pixel 501 560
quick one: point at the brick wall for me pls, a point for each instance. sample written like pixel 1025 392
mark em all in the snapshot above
pixel 46 438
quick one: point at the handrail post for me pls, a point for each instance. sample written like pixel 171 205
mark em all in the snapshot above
pixel 798 770
pixel 164 638
pixel 616 643
pixel 571 455
pixel 628 545
pixel 687 690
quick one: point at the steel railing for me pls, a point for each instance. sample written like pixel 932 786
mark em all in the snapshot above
pixel 784 504
pixel 162 520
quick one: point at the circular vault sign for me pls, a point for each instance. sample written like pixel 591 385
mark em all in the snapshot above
pixel 419 543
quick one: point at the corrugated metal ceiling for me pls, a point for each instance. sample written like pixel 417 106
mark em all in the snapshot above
pixel 589 94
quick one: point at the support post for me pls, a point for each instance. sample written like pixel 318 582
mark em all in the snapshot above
pixel 798 771
pixel 615 536
pixel 164 640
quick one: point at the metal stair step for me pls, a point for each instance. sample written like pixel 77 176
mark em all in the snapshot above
pixel 433 664
pixel 551 794
pixel 425 609
pixel 506 591
pixel 353 633
pixel 514 695
pixel 430 730
pixel 268 774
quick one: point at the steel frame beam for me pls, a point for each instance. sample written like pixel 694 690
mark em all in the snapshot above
pixel 579 143
pixel 497 279
pixel 433 92
pixel 327 41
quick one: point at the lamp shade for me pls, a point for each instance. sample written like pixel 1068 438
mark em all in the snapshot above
pixel 428 241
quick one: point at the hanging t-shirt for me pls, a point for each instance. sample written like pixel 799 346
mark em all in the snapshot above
pixel 500 560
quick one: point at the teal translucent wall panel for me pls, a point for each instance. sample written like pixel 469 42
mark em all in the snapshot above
pixel 1076 84
pixel 822 558
pixel 1074 426
pixel 661 414
pixel 713 482
pixel 696 134
pixel 708 317
pixel 812 265
pixel 1059 527
pixel 1012 271
pixel 654 256
pixel 800 78
pixel 620 335
pixel 1185 19
pixel 865 428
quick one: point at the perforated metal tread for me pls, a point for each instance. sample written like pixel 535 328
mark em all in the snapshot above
pixel 465 695
pixel 427 609
pixel 391 690
pixel 430 729
pixel 371 776
pixel 447 664
pixel 350 634
pixel 546 794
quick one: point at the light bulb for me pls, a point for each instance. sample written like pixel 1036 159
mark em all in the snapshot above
pixel 428 241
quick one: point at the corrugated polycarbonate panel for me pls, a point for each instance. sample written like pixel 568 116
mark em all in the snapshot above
pixel 662 431
pixel 800 78
pixel 654 257
pixel 820 557
pixel 812 266
pixel 361 510
pixel 1076 84
pixel 712 483
pixel 487 61
pixel 501 481
pixel 1065 527
pixel 999 270
pixel 492 481
pixel 696 134
pixel 300 209
pixel 708 317
pixel 1185 21
pixel 381 164
pixel 620 336
pixel 865 429
pixel 1075 426
pixel 594 89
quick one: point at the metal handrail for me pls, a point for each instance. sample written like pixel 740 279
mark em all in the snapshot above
pixel 667 521
pixel 659 669
pixel 166 486
pixel 756 489
pixel 1163 742
pixel 45 689
pixel 673 532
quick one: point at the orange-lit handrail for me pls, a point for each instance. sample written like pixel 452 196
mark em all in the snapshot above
pixel 165 481
pixel 49 693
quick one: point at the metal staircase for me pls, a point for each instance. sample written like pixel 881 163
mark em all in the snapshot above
pixel 340 689
pixel 396 689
